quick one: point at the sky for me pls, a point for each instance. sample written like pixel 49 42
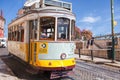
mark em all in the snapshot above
pixel 93 15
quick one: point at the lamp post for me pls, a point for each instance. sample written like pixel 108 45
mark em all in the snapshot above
pixel 112 30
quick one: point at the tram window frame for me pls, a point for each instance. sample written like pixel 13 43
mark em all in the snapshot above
pixel 9 34
pixel 72 30
pixel 63 29
pixel 47 28
pixel 33 28
pixel 21 33
pixel 18 35
pixel 15 36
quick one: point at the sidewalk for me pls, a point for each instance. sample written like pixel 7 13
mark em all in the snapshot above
pixel 5 72
pixel 98 60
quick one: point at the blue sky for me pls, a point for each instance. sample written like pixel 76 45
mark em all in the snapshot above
pixel 92 15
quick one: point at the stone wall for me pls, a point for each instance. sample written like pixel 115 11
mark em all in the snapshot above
pixel 100 49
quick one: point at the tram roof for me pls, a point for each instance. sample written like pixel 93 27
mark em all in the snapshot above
pixel 42 6
pixel 45 3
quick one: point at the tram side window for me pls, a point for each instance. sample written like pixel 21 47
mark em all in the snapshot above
pixel 9 34
pixel 72 29
pixel 12 36
pixel 33 29
pixel 47 28
pixel 15 35
pixel 18 35
pixel 63 28
pixel 22 35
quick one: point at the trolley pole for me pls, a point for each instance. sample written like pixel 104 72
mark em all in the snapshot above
pixel 112 30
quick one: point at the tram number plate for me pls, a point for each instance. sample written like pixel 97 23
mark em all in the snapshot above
pixel 43 48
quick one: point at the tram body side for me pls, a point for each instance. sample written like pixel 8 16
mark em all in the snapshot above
pixel 45 58
pixel 48 58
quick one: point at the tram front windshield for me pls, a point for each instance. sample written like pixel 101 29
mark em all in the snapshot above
pixel 47 28
pixel 63 28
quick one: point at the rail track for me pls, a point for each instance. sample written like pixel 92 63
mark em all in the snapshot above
pixel 98 72
pixel 82 71
pixel 21 70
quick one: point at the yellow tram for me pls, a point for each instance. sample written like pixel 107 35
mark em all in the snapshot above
pixel 42 35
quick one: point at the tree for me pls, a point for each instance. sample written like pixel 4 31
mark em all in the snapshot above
pixel 77 33
pixel 87 34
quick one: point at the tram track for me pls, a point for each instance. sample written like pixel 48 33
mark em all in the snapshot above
pixel 82 71
pixel 20 70
pixel 98 70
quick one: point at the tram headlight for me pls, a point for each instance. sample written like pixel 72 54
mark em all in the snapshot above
pixel 63 56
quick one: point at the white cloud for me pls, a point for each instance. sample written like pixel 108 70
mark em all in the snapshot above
pixel 90 19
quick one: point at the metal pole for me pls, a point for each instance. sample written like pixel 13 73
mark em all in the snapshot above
pixel 112 30
pixel 91 54
pixel 79 53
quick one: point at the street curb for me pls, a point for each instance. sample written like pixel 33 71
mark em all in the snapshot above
pixel 109 64
pixel 84 60
pixel 113 65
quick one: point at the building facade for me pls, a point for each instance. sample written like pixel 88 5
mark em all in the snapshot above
pixel 2 22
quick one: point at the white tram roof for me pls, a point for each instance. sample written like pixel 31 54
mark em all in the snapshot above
pixel 31 2
pixel 43 6
pixel 44 3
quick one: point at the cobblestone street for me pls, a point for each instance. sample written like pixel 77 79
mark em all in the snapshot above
pixel 3 52
pixel 5 71
pixel 82 71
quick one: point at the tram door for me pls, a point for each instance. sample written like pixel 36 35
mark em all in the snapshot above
pixel 32 41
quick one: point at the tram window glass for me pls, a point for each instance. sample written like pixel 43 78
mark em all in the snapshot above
pixel 22 35
pixel 72 29
pixel 18 35
pixel 12 35
pixel 63 29
pixel 15 37
pixel 33 29
pixel 9 34
pixel 47 28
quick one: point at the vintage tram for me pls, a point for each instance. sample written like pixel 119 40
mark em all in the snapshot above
pixel 42 35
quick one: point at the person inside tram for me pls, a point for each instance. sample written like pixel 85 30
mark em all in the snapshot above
pixel 63 36
pixel 43 35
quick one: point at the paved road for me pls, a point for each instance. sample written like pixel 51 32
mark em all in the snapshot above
pixel 5 71
pixel 82 71
pixel 3 51
pixel 97 72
